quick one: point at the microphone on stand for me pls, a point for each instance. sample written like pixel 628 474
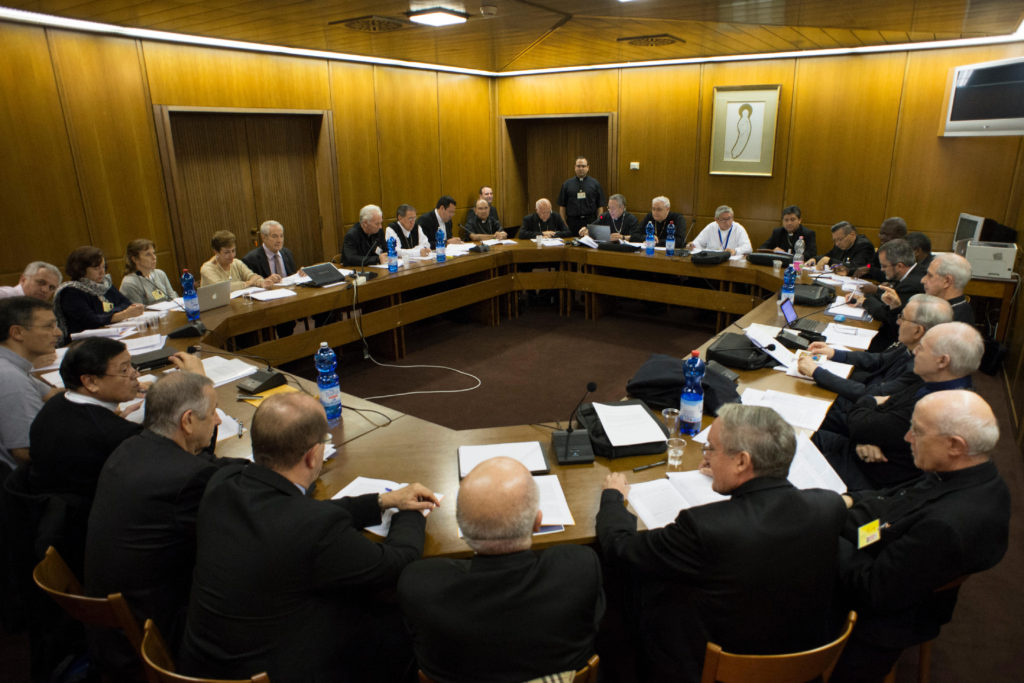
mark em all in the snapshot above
pixel 573 446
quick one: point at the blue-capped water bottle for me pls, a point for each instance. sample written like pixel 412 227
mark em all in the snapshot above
pixel 392 255
pixel 327 381
pixel 442 237
pixel 670 239
pixel 788 285
pixel 649 241
pixel 798 253
pixel 188 293
pixel 691 401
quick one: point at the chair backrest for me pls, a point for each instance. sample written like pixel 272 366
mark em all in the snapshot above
pixel 57 580
pixel 796 667
pixel 588 674
pixel 159 664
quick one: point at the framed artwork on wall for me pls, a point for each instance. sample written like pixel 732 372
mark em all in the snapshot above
pixel 743 130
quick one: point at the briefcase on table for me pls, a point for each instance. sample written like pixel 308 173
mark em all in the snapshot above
pixel 709 258
pixel 659 382
pixel 588 419
pixel 737 351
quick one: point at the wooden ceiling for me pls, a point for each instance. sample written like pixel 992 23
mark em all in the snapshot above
pixel 534 34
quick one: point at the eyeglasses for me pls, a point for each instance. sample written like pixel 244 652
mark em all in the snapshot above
pixel 326 439
pixel 128 373
pixel 45 326
pixel 902 318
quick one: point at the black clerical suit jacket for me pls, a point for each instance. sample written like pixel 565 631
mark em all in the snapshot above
pixel 661 228
pixel 860 254
pixel 905 288
pixel 288 585
pixel 756 571
pixel 879 374
pixel 360 249
pixel 781 239
pixel 533 226
pixel 428 222
pixel 258 263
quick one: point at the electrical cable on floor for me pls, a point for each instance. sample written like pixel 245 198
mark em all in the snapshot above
pixel 356 317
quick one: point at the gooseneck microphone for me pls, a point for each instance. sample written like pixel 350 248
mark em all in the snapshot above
pixel 573 446
pixel 258 382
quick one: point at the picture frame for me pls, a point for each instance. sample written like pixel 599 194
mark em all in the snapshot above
pixel 743 127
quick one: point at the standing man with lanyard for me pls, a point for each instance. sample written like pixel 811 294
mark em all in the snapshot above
pixel 581 198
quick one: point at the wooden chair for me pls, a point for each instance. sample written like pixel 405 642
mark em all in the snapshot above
pixel 588 674
pixel 924 650
pixel 160 665
pixel 796 667
pixel 56 579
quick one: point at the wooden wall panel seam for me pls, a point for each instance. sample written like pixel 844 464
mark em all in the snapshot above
pixel 899 122
pixel 380 158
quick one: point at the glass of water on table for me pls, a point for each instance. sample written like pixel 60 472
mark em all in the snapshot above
pixel 674 454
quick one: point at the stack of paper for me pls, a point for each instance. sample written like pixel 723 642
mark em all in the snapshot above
pixel 174 304
pixel 294 279
pixel 837 334
pixel 841 369
pixel 140 345
pixel 626 425
pixel 491 243
pixel 840 307
pixel 248 290
pixel 529 453
pixel 363 485
pixel 802 412
pixel 222 370
pixel 658 502
pixel 271 294
pixel 110 332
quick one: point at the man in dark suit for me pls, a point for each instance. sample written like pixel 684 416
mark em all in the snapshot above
pixel 894 228
pixel 543 222
pixel 849 251
pixel 508 611
pixel 141 539
pixel 784 238
pixel 902 548
pixel 754 573
pixel 903 278
pixel 661 216
pixel 272 261
pixel 287 584
pixel 364 242
pixel 441 215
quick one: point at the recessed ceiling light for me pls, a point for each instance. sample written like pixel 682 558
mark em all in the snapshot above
pixel 438 16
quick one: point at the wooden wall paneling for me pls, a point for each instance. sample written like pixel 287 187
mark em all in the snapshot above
pixel 751 197
pixel 39 190
pixel 213 182
pixel 567 93
pixel 552 145
pixel 282 160
pixel 407 127
pixel 356 142
pixel 466 140
pixel 845 111
pixel 513 171
pixel 327 189
pixel 934 179
pixel 208 77
pixel 113 137
pixel 658 127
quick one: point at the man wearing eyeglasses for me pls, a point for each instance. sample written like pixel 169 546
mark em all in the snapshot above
pixel 723 234
pixel 903 280
pixel 904 551
pixel 754 574
pixel 28 333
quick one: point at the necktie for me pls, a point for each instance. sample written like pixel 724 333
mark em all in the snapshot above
pixel 278 266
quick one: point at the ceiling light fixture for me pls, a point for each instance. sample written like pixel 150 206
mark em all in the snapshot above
pixel 438 16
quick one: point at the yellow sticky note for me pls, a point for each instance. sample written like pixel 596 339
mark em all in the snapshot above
pixel 283 389
pixel 868 533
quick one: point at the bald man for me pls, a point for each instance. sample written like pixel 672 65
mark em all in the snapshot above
pixel 508 611
pixel 544 221
pixel 482 224
pixel 948 523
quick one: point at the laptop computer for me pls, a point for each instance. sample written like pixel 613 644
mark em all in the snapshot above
pixel 600 233
pixel 794 321
pixel 214 296
pixel 323 274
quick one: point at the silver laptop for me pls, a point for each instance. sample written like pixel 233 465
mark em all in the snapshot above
pixel 600 233
pixel 214 296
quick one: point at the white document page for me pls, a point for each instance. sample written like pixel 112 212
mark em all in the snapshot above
pixel 529 453
pixel 656 502
pixel 222 370
pixel 553 505
pixel 270 294
pixel 140 345
pixel 626 425
pixel 800 411
pixel 695 488
pixel 837 334
pixel 111 332
pixel 588 241
pixel 247 290
pixel 810 469
pixel 170 305
pixel 841 369
pixel 552 242
pixel 363 485
pixel 56 363
pixel 294 279
pixel 764 337
pixel 228 427
pixel 840 307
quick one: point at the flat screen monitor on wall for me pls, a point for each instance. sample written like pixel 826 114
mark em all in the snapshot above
pixel 985 99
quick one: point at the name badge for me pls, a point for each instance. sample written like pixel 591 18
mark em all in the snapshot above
pixel 868 534
pixel 581 195
pixel 107 307
pixel 157 294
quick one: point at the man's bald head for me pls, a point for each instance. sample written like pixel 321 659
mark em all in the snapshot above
pixel 952 430
pixel 498 507
pixel 284 427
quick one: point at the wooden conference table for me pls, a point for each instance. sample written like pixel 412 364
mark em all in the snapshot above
pixel 411 449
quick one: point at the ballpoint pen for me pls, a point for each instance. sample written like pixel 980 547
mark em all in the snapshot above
pixel 647 467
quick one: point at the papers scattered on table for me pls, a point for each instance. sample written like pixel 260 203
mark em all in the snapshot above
pixel 626 425
pixel 456 250
pixel 738 257
pixel 140 345
pixel 840 307
pixel 229 427
pixel 658 502
pixel 294 279
pixel 841 369
pixel 764 337
pixel 802 412
pixel 552 242
pixel 224 370
pixel 588 241
pixel 810 469
pixel 837 334
pixel 493 242
pixel 553 505
pixel 363 485
pixel 176 304
pixel 529 453
pixel 248 290
pixel 110 332
pixel 271 294
pixel 55 364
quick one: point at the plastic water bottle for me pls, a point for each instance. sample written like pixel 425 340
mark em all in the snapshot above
pixel 392 255
pixel 788 285
pixel 442 237
pixel 188 293
pixel 691 401
pixel 798 253
pixel 670 239
pixel 649 240
pixel 327 380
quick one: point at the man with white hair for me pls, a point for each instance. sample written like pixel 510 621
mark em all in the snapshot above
pixel 272 260
pixel 946 278
pixel 544 221
pixel 723 234
pixel 364 242
pixel 39 280
pixel 868 451
pixel 508 611
pixel 904 551
pixel 661 216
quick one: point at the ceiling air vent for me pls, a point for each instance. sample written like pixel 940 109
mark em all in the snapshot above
pixel 371 24
pixel 659 40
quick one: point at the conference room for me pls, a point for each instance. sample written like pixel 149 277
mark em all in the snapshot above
pixel 112 136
